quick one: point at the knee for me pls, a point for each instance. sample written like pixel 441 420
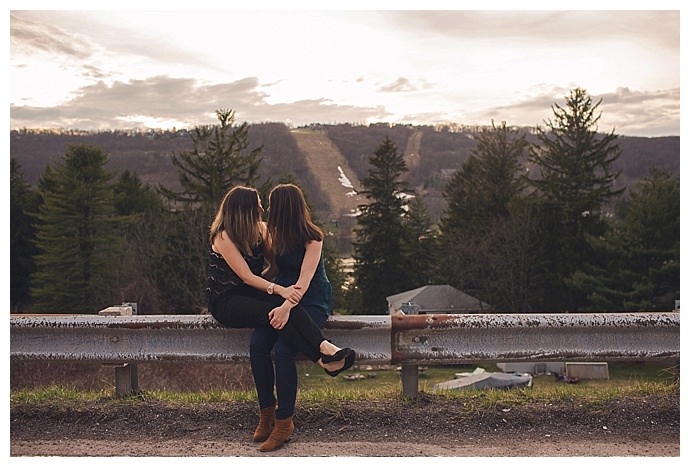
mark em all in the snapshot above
pixel 260 346
pixel 258 352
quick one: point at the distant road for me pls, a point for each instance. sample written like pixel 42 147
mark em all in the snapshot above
pixel 468 447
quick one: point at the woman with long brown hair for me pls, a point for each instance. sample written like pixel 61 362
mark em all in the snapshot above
pixel 239 297
pixel 296 250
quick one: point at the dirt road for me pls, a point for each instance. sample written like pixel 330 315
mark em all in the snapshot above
pixel 631 426
pixel 608 447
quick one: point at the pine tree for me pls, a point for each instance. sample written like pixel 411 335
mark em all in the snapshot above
pixel 379 269
pixel 76 235
pixel 219 160
pixel 23 206
pixel 653 225
pixel 132 197
pixel 638 260
pixel 419 246
pixel 487 232
pixel 574 184
pixel 145 221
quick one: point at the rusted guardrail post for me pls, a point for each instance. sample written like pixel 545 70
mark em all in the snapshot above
pixel 447 339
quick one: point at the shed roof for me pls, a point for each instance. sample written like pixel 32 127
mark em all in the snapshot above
pixel 437 297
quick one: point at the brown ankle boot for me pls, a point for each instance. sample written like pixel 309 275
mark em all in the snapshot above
pixel 267 420
pixel 280 435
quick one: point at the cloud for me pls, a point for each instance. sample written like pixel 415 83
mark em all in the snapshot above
pixel 181 102
pixel 627 112
pixel 650 112
pixel 130 69
pixel 663 27
pixel 38 38
pixel 403 84
pixel 166 102
pixel 399 85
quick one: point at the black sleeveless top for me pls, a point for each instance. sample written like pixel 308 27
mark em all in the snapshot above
pixel 221 280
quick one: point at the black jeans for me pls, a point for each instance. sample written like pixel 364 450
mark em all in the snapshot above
pixel 249 308
pixel 277 379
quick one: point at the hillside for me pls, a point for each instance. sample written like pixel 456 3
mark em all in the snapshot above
pixel 324 159
pixel 331 171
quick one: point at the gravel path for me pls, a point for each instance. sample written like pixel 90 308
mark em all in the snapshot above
pixel 430 426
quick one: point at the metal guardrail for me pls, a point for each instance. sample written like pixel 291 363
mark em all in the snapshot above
pixel 407 340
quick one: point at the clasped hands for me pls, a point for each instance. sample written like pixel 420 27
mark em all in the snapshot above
pixel 293 293
pixel 280 315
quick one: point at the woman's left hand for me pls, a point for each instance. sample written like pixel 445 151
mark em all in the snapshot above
pixel 292 293
pixel 278 317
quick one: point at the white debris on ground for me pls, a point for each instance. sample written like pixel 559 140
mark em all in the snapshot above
pixel 480 379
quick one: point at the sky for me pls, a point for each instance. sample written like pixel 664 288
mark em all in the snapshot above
pixel 427 64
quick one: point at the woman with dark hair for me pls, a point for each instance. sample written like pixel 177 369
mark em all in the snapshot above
pixel 296 249
pixel 239 297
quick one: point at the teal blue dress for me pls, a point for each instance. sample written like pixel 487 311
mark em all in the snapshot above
pixel 319 296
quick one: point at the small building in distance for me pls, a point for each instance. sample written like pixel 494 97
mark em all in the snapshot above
pixel 440 299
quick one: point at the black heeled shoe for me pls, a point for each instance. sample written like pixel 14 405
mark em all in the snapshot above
pixel 349 361
pixel 336 357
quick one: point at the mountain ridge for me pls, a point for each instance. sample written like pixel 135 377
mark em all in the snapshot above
pixel 319 156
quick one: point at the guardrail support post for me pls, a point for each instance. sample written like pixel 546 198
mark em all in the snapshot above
pixel 126 374
pixel 410 380
pixel 125 380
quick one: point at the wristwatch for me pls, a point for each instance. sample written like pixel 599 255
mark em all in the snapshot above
pixel 269 289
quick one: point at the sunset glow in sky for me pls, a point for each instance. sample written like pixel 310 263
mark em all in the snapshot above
pixel 130 68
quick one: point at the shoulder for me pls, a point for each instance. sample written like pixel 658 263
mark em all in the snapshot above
pixel 313 245
pixel 221 238
pixel 224 245
pixel 217 240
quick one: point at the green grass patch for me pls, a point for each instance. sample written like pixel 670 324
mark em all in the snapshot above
pixel 629 379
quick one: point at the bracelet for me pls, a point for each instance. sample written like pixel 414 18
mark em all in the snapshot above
pixel 269 289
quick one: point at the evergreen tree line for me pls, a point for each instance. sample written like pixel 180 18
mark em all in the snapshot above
pixel 87 238
pixel 552 234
